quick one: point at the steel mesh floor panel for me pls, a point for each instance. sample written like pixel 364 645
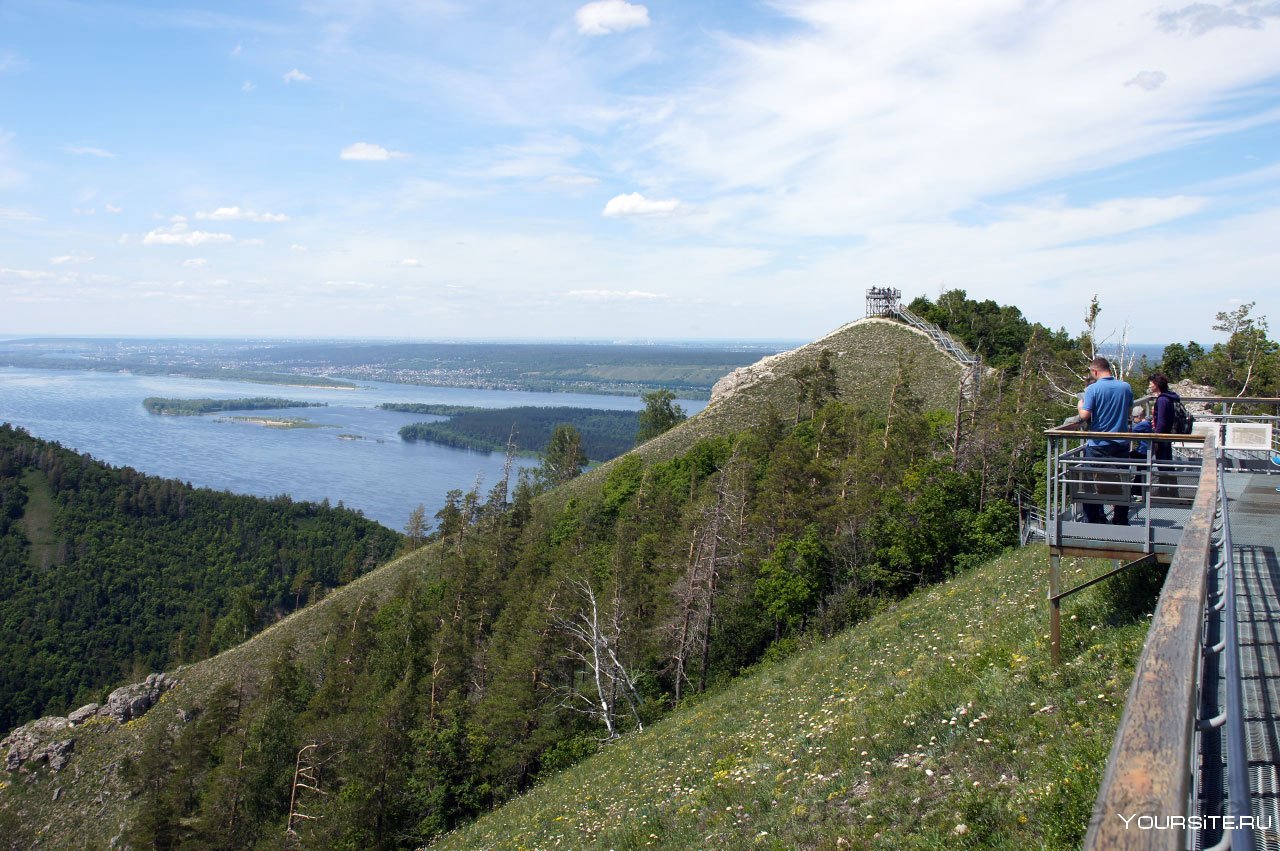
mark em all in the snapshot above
pixel 1265 781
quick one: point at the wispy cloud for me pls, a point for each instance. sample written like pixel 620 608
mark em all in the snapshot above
pixel 610 16
pixel 179 233
pixel 195 263
pixel 1199 18
pixel 296 76
pixel 235 214
pixel 13 214
pixel 1149 80
pixel 88 151
pixel 10 61
pixel 112 208
pixel 636 204
pixel 66 259
pixel 613 295
pixel 369 152
pixel 247 86
pixel 573 181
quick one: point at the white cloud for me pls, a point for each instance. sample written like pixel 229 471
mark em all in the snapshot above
pixel 235 51
pixel 12 214
pixel 247 86
pixel 25 275
pixel 301 249
pixel 1199 18
pixel 10 61
pixel 88 151
pixel 70 258
pixel 369 152
pixel 610 16
pixel 112 208
pixel 613 295
pixel 636 204
pixel 573 181
pixel 870 113
pixel 180 234
pixel 196 263
pixel 296 76
pixel 1149 80
pixel 410 263
pixel 233 214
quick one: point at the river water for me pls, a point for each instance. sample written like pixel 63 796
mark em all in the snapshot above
pixel 354 456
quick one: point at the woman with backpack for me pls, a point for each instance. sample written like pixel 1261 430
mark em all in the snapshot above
pixel 1165 414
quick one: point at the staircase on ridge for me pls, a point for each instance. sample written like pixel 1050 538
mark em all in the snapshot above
pixel 886 301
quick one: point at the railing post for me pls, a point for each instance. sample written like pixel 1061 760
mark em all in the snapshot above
pixel 1055 607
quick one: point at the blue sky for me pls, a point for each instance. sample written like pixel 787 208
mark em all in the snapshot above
pixel 438 169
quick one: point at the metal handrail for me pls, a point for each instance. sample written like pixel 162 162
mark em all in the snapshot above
pixel 944 339
pixel 1149 771
pixel 1239 837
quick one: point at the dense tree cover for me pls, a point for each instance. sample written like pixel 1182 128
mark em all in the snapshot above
pixel 194 407
pixel 999 334
pixel 604 434
pixel 432 408
pixel 1247 364
pixel 540 628
pixel 660 414
pixel 563 458
pixel 107 574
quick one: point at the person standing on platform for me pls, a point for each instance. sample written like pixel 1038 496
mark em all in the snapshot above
pixel 1105 406
pixel 1162 413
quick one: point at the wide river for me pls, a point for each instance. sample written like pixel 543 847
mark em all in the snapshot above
pixel 355 455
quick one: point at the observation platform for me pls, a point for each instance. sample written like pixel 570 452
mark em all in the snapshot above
pixel 1198 749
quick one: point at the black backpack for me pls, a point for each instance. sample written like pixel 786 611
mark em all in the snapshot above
pixel 1182 421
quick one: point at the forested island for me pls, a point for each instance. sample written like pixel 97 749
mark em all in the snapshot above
pixel 195 407
pixel 430 408
pixel 605 434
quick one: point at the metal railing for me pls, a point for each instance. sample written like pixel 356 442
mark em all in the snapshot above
pixel 1075 480
pixel 942 338
pixel 1147 798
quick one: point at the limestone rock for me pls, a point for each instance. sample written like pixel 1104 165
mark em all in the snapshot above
pixel 31 743
pixel 129 702
pixel 744 376
pixel 84 713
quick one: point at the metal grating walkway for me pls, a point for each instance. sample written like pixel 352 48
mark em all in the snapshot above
pixel 1254 507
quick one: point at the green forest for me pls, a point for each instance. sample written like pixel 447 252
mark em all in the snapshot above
pixel 605 434
pixel 107 574
pixel 195 407
pixel 432 408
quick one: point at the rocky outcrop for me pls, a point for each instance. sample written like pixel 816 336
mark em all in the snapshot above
pixel 745 376
pixel 129 702
pixel 46 740
pixel 38 742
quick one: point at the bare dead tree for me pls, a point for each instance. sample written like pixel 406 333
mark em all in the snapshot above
pixel 594 637
pixel 306 778
pixel 715 544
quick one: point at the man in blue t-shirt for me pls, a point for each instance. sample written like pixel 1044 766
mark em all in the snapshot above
pixel 1105 406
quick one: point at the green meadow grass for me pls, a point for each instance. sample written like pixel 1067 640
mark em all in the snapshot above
pixel 938 723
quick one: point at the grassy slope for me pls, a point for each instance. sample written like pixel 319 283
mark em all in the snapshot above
pixel 38 519
pixel 866 359
pixel 95 804
pixel 937 723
